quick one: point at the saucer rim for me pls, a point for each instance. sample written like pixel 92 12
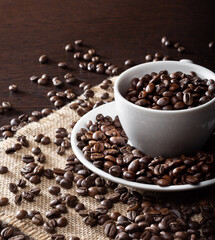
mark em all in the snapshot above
pixel 110 110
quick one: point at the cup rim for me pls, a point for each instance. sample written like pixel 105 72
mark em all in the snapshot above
pixel 123 75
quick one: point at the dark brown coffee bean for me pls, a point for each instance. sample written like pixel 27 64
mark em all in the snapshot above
pixel 71 201
pixel 34 78
pixel 110 230
pixel 78 42
pixel 62 222
pixel 45 140
pixel 181 49
pixel 21 183
pixel 13 88
pixel 37 219
pixel 69 47
pixel 43 59
pixel 35 191
pixel 211 44
pixel 148 58
pixel 7 232
pixel 54 190
pixel 28 196
pixel 13 187
pixel 58 237
pixel 3 169
pixel 4 201
pixel 36 150
pixel 6 105
pixel 21 214
pixel 129 63
pixel 50 226
pixel 35 179
pixel 53 213
pixel 74 238
pixel 63 65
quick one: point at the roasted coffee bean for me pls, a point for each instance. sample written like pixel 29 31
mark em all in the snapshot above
pixel 43 59
pixel 74 238
pixel 35 179
pixel 3 169
pixel 71 201
pixel 37 219
pixel 36 150
pixel 58 237
pixel 161 87
pixel 54 190
pixel 35 191
pixel 7 232
pixel 13 88
pixel 4 201
pixel 6 105
pixel 78 42
pixel 45 140
pixel 53 213
pixel 211 44
pixel 34 78
pixel 110 230
pixel 50 226
pixel 69 47
pixel 28 196
pixel 63 65
pixel 21 214
pixel 129 63
pixel 13 188
pixel 62 222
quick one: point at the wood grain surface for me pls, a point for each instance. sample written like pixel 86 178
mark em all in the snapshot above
pixel 117 29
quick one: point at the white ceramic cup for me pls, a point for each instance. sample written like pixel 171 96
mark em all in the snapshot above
pixel 162 132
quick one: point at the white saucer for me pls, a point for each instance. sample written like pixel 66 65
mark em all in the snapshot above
pixel 110 110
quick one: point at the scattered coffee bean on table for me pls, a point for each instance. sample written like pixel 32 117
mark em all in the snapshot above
pixel 211 44
pixel 175 91
pixel 43 59
pixel 13 88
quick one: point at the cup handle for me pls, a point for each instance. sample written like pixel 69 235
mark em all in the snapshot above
pixel 186 61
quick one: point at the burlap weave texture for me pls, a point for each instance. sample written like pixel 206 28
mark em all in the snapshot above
pixel 47 126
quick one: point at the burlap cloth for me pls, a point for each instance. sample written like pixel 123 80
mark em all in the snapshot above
pixel 47 126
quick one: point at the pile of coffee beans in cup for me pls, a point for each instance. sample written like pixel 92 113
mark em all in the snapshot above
pixel 104 143
pixel 175 91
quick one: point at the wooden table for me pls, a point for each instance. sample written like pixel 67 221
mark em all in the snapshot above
pixel 118 30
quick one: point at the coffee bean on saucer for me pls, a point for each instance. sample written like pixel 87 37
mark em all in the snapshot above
pixel 43 59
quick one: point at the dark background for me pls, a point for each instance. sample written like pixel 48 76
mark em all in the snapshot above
pixel 117 29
